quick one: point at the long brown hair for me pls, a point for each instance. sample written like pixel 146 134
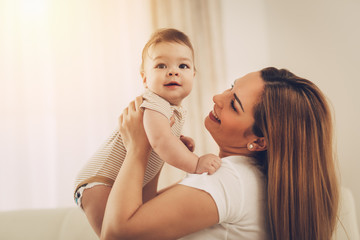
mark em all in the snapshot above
pixel 302 189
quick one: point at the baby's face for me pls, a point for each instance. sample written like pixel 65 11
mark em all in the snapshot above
pixel 169 71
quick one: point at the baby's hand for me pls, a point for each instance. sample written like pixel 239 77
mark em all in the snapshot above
pixel 208 163
pixel 189 142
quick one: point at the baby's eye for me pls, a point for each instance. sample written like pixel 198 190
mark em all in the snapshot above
pixel 232 86
pixel 161 66
pixel 183 66
pixel 232 103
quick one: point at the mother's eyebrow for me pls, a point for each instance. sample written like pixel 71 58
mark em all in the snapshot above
pixel 238 100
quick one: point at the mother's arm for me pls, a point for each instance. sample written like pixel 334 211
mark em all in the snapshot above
pixel 176 212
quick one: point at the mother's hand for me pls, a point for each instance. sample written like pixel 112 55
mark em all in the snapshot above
pixel 132 127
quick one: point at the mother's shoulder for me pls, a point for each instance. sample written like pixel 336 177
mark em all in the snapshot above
pixel 238 160
pixel 240 165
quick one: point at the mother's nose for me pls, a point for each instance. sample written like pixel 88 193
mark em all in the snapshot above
pixel 218 99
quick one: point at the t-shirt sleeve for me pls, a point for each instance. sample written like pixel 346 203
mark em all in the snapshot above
pixel 225 187
pixel 156 103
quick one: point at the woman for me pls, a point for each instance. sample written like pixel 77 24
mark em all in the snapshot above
pixel 277 179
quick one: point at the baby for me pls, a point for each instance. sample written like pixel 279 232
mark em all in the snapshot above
pixel 168 73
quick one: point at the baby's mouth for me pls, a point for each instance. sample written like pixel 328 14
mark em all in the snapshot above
pixel 172 84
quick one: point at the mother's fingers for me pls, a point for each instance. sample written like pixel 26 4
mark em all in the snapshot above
pixel 138 102
pixel 131 106
pixel 125 112
pixel 134 106
pixel 121 118
pixel 131 113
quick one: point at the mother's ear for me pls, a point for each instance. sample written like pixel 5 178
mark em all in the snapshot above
pixel 257 145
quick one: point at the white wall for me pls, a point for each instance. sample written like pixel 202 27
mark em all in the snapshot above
pixel 245 37
pixel 318 40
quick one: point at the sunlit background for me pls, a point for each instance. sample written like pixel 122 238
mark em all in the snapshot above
pixel 69 67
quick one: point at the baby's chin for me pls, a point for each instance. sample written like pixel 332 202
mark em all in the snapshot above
pixel 174 98
pixel 175 103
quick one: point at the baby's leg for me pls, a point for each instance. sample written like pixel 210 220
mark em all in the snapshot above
pixel 93 203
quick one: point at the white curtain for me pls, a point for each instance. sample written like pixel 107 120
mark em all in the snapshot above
pixel 68 68
pixel 201 20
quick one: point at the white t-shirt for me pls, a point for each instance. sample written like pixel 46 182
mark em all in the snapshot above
pixel 238 189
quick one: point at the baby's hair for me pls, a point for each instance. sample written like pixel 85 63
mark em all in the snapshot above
pixel 165 35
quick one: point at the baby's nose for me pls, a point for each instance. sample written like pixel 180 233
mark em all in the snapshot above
pixel 173 72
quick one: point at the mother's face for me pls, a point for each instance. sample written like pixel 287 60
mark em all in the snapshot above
pixel 231 120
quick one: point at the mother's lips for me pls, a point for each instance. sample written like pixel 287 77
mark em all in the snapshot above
pixel 212 116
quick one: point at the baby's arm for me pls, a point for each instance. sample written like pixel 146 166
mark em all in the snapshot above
pixel 207 163
pixel 168 146
pixel 172 150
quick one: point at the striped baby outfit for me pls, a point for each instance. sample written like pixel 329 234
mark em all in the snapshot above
pixel 105 164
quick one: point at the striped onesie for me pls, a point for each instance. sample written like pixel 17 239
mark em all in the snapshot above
pixel 105 164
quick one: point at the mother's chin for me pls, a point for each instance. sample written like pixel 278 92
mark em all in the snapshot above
pixel 209 125
pixel 208 122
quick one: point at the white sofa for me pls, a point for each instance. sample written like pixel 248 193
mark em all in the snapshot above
pixel 71 223
pixel 45 224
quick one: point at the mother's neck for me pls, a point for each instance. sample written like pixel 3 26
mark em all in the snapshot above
pixel 234 151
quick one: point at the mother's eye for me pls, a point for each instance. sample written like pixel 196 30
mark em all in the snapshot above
pixel 232 103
